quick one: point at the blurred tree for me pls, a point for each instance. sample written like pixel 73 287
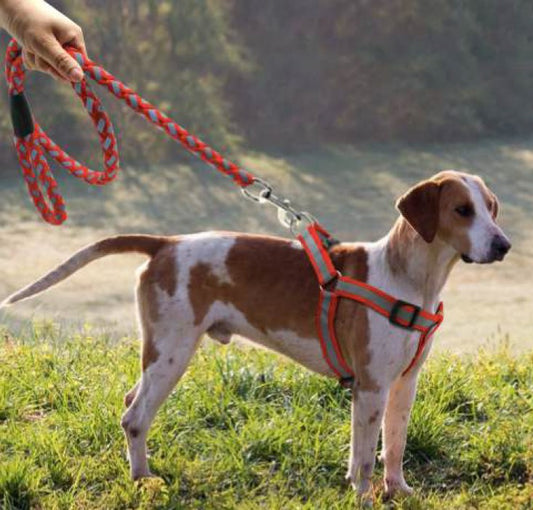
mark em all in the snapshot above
pixel 352 70
pixel 283 74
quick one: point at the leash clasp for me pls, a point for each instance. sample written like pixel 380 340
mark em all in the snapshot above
pixel 288 216
pixel 261 195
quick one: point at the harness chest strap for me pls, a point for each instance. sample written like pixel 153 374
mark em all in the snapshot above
pixel 333 285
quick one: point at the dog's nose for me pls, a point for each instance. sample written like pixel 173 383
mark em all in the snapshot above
pixel 499 247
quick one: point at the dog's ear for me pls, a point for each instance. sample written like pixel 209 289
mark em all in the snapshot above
pixel 420 207
pixel 495 205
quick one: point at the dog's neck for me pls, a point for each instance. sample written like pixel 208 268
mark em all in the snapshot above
pixel 423 266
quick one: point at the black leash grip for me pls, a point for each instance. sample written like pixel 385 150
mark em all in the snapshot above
pixel 21 116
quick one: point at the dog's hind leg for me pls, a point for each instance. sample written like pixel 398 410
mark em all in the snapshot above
pixel 170 339
pixel 157 381
pixel 399 403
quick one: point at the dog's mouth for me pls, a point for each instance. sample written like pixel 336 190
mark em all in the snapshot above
pixel 466 258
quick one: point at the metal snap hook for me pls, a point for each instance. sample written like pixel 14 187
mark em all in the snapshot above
pixel 261 195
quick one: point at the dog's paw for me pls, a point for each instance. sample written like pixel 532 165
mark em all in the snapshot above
pixel 365 500
pixel 143 476
pixel 397 488
pixel 149 480
pixel 153 491
pixel 350 478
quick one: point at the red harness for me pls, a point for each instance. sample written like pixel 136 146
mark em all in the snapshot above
pixel 333 285
pixel 31 142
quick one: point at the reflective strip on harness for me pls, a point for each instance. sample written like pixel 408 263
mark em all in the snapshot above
pixel 383 303
pixel 325 316
pixel 313 241
pixel 316 241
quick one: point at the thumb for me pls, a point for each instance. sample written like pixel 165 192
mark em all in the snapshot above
pixel 56 56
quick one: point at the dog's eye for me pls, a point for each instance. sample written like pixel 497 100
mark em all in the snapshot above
pixel 466 211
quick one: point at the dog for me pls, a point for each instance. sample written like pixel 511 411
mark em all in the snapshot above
pixel 264 289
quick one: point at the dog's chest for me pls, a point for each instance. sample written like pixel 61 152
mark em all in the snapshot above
pixel 392 348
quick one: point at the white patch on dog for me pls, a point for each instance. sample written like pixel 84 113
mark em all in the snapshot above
pixel 207 247
pixel 297 245
pixel 483 228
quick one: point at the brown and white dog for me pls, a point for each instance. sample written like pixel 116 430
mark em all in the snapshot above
pixel 264 289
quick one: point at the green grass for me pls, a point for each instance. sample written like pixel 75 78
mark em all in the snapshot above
pixel 245 429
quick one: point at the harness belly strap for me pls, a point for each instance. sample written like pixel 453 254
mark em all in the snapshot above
pixel 333 285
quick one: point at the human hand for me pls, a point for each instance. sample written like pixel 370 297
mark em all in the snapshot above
pixel 43 31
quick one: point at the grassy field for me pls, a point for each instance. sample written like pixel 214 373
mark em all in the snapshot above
pixel 352 190
pixel 245 430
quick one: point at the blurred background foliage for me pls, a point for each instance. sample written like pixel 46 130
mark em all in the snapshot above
pixel 282 75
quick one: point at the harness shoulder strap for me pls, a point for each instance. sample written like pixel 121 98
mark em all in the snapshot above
pixel 316 241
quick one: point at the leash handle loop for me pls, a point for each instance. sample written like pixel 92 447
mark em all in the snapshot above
pixel 32 142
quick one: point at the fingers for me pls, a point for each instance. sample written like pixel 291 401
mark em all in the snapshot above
pixel 74 39
pixel 50 51
pixel 45 67
pixel 35 63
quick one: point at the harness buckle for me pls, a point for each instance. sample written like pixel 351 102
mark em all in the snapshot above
pixel 395 311
pixel 330 284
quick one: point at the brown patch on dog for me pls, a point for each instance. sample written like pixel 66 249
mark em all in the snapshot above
pixel 273 284
pixel 149 245
pixel 202 282
pixel 454 228
pixel 420 207
pixel 352 318
pixel 373 418
pixel 165 269
pixel 161 272
pixel 149 313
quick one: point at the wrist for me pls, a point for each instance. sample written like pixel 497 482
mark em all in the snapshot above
pixel 13 14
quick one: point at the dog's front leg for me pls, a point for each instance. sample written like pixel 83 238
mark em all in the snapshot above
pixel 367 412
pixel 399 404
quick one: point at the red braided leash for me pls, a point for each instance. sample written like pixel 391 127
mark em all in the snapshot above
pixel 31 141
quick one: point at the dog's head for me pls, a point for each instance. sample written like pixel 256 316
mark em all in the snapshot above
pixel 459 209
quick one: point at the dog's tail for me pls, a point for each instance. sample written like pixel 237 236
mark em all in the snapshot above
pixel 149 245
